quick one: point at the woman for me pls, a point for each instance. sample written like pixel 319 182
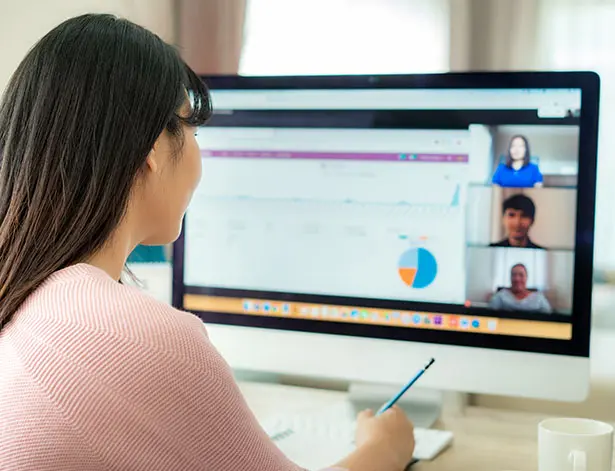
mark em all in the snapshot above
pixel 98 156
pixel 518 171
pixel 518 297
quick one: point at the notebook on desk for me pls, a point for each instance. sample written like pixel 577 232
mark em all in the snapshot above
pixel 313 452
pixel 317 439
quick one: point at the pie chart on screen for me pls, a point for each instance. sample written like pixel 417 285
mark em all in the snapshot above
pixel 418 268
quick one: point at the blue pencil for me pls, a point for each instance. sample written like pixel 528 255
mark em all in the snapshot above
pixel 403 390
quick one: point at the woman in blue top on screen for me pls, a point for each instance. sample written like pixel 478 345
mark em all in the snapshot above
pixel 518 171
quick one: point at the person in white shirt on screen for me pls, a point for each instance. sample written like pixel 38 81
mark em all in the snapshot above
pixel 518 297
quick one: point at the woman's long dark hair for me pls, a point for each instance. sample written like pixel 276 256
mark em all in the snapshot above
pixel 528 153
pixel 77 121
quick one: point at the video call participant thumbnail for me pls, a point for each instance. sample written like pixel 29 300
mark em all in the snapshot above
pixel 518 297
pixel 518 214
pixel 518 171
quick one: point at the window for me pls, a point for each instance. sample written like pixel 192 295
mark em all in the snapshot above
pixel 315 37
pixel 575 35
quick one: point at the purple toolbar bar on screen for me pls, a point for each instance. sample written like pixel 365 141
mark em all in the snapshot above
pixel 360 156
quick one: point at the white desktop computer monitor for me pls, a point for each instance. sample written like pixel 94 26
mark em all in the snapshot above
pixel 353 227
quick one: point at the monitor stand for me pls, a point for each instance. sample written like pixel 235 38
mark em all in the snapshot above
pixel 423 406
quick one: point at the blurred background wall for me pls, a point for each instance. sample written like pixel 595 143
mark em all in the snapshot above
pixel 23 23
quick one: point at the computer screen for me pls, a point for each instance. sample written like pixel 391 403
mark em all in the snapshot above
pixel 437 214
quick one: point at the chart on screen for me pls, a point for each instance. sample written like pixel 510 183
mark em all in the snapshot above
pixel 418 268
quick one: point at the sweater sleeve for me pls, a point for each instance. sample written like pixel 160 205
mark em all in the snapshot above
pixel 105 378
pixel 197 413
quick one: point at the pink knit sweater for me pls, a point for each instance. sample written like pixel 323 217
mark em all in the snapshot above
pixel 97 376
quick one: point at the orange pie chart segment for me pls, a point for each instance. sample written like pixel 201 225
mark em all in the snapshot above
pixel 408 275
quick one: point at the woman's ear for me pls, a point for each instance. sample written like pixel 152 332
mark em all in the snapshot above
pixel 153 157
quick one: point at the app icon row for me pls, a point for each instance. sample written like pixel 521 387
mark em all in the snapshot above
pixel 365 315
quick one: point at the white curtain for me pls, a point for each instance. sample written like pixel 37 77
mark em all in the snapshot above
pixel 316 37
pixel 580 35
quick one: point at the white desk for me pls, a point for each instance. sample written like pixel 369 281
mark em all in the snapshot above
pixel 485 440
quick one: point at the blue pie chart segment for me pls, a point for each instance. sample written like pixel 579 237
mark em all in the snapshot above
pixel 417 268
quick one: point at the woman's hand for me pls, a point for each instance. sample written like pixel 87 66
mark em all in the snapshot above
pixel 391 430
pixel 384 442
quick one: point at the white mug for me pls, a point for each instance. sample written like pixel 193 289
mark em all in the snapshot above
pixel 574 445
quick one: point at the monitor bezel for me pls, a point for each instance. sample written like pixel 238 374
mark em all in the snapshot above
pixel 587 82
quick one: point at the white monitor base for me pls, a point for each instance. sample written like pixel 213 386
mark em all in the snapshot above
pixel 423 406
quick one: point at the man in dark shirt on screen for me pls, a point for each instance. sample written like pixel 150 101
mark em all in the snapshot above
pixel 518 213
